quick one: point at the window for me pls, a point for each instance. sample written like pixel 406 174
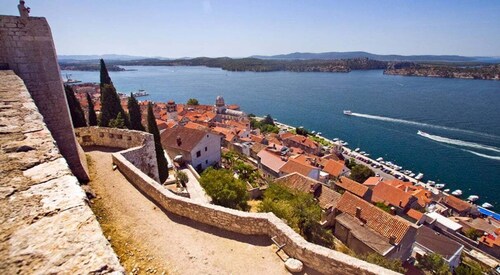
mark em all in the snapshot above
pixel 86 139
pixel 119 136
pixel 111 135
pixel 101 134
pixel 206 149
pixel 198 154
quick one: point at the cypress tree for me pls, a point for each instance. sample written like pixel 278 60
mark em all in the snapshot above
pixel 110 101
pixel 75 109
pixel 160 157
pixel 134 112
pixel 105 79
pixel 92 114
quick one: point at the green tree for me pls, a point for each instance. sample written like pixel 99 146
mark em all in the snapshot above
pixel 160 155
pixel 193 101
pixel 468 269
pixel 104 75
pixel 268 120
pixel 473 234
pixel 392 264
pixel 300 210
pixel 92 114
pixel 224 189
pixel 110 101
pixel 434 264
pixel 182 178
pixel 246 172
pixel 134 111
pixel 118 122
pixel 75 109
pixel 361 173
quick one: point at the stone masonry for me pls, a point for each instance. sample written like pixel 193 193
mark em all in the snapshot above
pixel 140 148
pixel 27 48
pixel 46 225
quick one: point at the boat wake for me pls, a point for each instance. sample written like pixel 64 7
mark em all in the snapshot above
pixel 459 142
pixel 396 120
pixel 483 155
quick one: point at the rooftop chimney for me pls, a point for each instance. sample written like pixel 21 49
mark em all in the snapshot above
pixel 358 212
pixel 179 141
pixel 392 240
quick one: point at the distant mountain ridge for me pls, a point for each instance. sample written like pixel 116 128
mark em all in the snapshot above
pixel 82 57
pixel 380 57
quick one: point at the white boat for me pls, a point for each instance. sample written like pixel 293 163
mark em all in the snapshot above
pixel 411 175
pixel 446 190
pixel 345 143
pixel 457 192
pixel 473 198
pixel 419 176
pixel 440 185
pixel 367 155
pixel 313 132
pixel 336 139
pixel 348 112
pixel 487 205
pixel 356 150
pixel 362 152
pixel 380 159
pixel 318 134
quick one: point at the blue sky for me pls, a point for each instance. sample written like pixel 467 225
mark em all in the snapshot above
pixel 242 28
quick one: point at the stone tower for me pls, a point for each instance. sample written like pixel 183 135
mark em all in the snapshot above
pixel 171 110
pixel 220 105
pixel 27 48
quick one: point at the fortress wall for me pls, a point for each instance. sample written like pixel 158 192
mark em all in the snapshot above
pixel 317 257
pixel 46 224
pixel 27 48
pixel 142 152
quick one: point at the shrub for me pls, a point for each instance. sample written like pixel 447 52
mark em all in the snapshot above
pixel 224 189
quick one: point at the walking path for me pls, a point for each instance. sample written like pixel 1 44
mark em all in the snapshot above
pixel 194 188
pixel 145 237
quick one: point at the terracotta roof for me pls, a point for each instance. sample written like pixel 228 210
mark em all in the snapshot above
pixel 293 165
pixel 456 203
pixel 270 160
pixel 386 193
pixel 333 167
pixel 352 186
pixel 299 182
pixel 193 125
pixel 437 243
pixel 303 140
pixel 414 214
pixel 376 219
pixel 256 138
pixel 189 138
pixel 326 197
pixel 372 181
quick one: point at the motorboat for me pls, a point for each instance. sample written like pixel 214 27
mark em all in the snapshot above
pixel 446 190
pixel 440 185
pixel 380 159
pixel 487 205
pixel 367 155
pixel 69 80
pixel 457 192
pixel 473 198
pixel 419 176
pixel 362 152
pixel 411 175
pixel 336 139
pixel 356 150
pixel 140 93
pixel 348 112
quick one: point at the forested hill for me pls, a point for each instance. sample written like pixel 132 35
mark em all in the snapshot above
pixel 261 65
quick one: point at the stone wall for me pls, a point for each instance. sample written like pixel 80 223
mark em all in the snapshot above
pixel 142 152
pixel 46 225
pixel 27 48
pixel 324 260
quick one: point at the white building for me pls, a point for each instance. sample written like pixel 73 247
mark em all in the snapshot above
pixel 197 147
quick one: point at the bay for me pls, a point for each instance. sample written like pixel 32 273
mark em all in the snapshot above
pixel 461 117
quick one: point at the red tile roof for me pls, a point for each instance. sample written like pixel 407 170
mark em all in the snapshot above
pixel 376 219
pixel 372 181
pixel 270 160
pixel 189 138
pixel 414 214
pixel 352 186
pixel 456 203
pixel 333 167
pixel 386 193
pixel 293 165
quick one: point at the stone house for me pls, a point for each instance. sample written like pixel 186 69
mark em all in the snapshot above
pixel 358 189
pixel 199 148
pixel 393 196
pixel 365 228
pixel 429 241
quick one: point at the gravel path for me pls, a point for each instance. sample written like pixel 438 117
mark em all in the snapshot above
pixel 145 237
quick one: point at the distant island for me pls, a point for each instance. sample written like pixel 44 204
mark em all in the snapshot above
pixel 446 66
pixel 485 72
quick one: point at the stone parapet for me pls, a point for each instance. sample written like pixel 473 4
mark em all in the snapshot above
pixel 139 147
pixel 46 224
pixel 322 259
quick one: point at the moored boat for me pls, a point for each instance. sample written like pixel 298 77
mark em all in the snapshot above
pixel 487 205
pixel 457 192
pixel 473 198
